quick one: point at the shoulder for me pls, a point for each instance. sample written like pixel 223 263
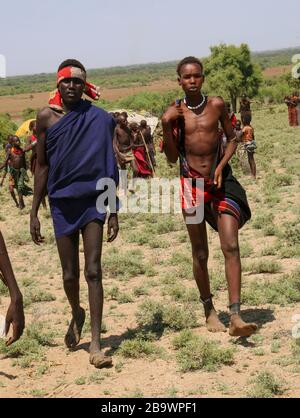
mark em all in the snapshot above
pixel 44 113
pixel 217 101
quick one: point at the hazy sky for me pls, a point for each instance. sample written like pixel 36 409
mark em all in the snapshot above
pixel 36 36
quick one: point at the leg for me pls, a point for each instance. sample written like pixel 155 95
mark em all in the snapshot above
pixel 92 241
pixel 228 231
pixel 68 249
pixel 252 164
pixel 198 238
pixel 12 193
pixel 21 201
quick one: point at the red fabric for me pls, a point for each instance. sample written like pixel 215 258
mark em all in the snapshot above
pixel 141 161
pixel 16 151
pixel 293 116
pixel 33 139
pixel 91 90
pixel 233 120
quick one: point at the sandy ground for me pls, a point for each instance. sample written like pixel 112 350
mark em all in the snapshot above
pixel 56 372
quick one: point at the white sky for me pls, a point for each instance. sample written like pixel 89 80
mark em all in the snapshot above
pixel 36 36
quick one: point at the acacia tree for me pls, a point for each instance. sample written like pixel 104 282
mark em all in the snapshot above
pixel 230 72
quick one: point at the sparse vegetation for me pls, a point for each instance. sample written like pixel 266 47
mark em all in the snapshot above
pixel 196 353
pixel 266 385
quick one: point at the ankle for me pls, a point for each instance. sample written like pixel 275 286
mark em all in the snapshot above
pixel 235 310
pixel 208 305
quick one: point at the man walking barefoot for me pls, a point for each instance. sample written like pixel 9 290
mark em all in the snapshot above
pixel 74 152
pixel 191 135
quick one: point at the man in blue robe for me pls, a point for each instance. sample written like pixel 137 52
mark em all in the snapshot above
pixel 75 153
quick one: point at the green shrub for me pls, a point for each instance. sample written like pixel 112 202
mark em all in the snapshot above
pixel 196 353
pixel 266 385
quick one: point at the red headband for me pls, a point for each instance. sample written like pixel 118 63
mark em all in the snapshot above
pixel 91 90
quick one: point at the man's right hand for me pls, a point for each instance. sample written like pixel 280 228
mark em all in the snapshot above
pixel 35 230
pixel 173 113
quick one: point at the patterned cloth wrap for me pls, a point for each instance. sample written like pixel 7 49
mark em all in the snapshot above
pixel 18 179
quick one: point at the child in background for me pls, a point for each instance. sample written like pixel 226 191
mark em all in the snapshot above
pixel 249 143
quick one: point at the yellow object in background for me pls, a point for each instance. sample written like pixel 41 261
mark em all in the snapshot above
pixel 23 130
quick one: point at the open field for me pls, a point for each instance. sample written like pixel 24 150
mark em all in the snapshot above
pixel 153 322
pixel 15 105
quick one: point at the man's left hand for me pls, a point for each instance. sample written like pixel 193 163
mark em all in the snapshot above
pixel 113 228
pixel 218 178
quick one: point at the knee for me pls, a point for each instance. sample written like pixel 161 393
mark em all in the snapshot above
pixel 70 277
pixel 93 274
pixel 231 249
pixel 200 255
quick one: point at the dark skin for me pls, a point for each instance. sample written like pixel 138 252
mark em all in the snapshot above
pixel 17 162
pixel 123 141
pixel 68 247
pixel 201 143
pixel 15 312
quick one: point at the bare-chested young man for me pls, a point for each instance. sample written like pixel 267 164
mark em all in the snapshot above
pixel 15 164
pixel 123 140
pixel 146 132
pixel 197 145
pixel 74 152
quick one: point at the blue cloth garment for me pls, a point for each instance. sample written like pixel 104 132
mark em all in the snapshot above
pixel 79 150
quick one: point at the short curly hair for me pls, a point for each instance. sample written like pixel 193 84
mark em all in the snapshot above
pixel 71 63
pixel 188 60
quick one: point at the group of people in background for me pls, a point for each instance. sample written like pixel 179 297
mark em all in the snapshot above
pixel 293 104
pixel 134 146
pixel 244 131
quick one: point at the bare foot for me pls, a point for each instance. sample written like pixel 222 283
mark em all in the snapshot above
pixel 99 360
pixel 239 328
pixel 213 323
pixel 73 335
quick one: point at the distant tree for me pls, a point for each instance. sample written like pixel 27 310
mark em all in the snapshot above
pixel 230 72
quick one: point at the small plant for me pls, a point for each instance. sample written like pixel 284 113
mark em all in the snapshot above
pixel 140 291
pixel 196 353
pixel 280 292
pixel 263 267
pixel 96 378
pixel 80 381
pixel 29 348
pixel 266 385
pixel 261 221
pixel 156 317
pixel 138 348
pixel 36 296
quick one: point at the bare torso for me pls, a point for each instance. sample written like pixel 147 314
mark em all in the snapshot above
pixel 202 136
pixel 124 139
pixel 17 161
